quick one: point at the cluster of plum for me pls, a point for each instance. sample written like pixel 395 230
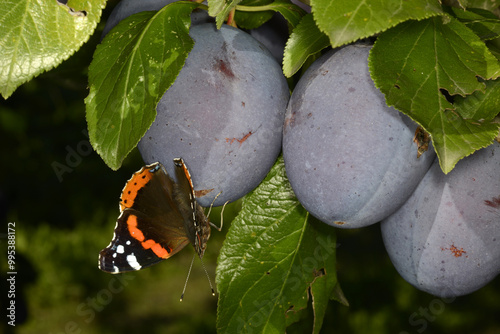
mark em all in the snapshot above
pixel 351 160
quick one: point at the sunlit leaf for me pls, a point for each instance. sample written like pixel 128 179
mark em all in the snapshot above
pixel 38 35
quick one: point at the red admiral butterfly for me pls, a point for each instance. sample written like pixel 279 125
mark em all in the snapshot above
pixel 158 218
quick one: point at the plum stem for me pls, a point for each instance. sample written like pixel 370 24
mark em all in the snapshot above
pixel 230 18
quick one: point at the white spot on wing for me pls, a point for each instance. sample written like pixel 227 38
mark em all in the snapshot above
pixel 120 249
pixel 132 262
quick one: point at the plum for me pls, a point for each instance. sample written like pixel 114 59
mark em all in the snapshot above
pixel 351 160
pixel 125 8
pixel 445 239
pixel 223 115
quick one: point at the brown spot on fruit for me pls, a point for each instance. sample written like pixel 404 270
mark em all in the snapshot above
pixel 225 68
pixel 245 137
pixel 457 252
pixel 289 121
pixel 494 202
pixel 339 223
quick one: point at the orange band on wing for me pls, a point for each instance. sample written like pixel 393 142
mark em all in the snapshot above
pixel 156 248
pixel 132 228
pixel 148 244
pixel 137 182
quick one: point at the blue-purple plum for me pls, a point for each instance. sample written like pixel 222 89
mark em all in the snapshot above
pixel 445 239
pixel 351 160
pixel 223 114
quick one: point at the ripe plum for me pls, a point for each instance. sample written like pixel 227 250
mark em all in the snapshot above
pixel 350 159
pixel 445 239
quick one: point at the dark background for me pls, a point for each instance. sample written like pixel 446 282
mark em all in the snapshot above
pixel 63 221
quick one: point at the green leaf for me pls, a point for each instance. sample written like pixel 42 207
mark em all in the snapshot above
pixel 252 20
pixel 274 255
pixel 482 22
pixel 133 67
pixel 291 12
pixel 253 13
pixel 413 63
pixel 494 47
pixel 347 21
pixel 38 35
pixel 480 106
pixel 220 9
pixel 305 40
pixel 490 5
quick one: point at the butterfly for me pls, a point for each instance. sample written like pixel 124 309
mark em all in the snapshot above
pixel 158 218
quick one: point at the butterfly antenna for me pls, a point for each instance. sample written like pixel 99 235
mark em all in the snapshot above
pixel 187 278
pixel 208 277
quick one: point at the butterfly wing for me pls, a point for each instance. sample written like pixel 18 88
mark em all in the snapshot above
pixel 150 227
pixel 196 223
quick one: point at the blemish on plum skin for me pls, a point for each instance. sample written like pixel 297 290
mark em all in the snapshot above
pixel 455 251
pixel 225 68
pixel 339 223
pixel 241 141
pixel 290 121
pixel 351 90
pixel 494 202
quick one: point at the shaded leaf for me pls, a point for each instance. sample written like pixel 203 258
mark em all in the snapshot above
pixel 133 67
pixel 482 22
pixel 292 13
pixel 491 5
pixel 275 255
pixel 38 35
pixel 252 20
pixel 480 106
pixel 305 40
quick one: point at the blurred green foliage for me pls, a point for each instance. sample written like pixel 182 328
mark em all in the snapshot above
pixel 61 225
